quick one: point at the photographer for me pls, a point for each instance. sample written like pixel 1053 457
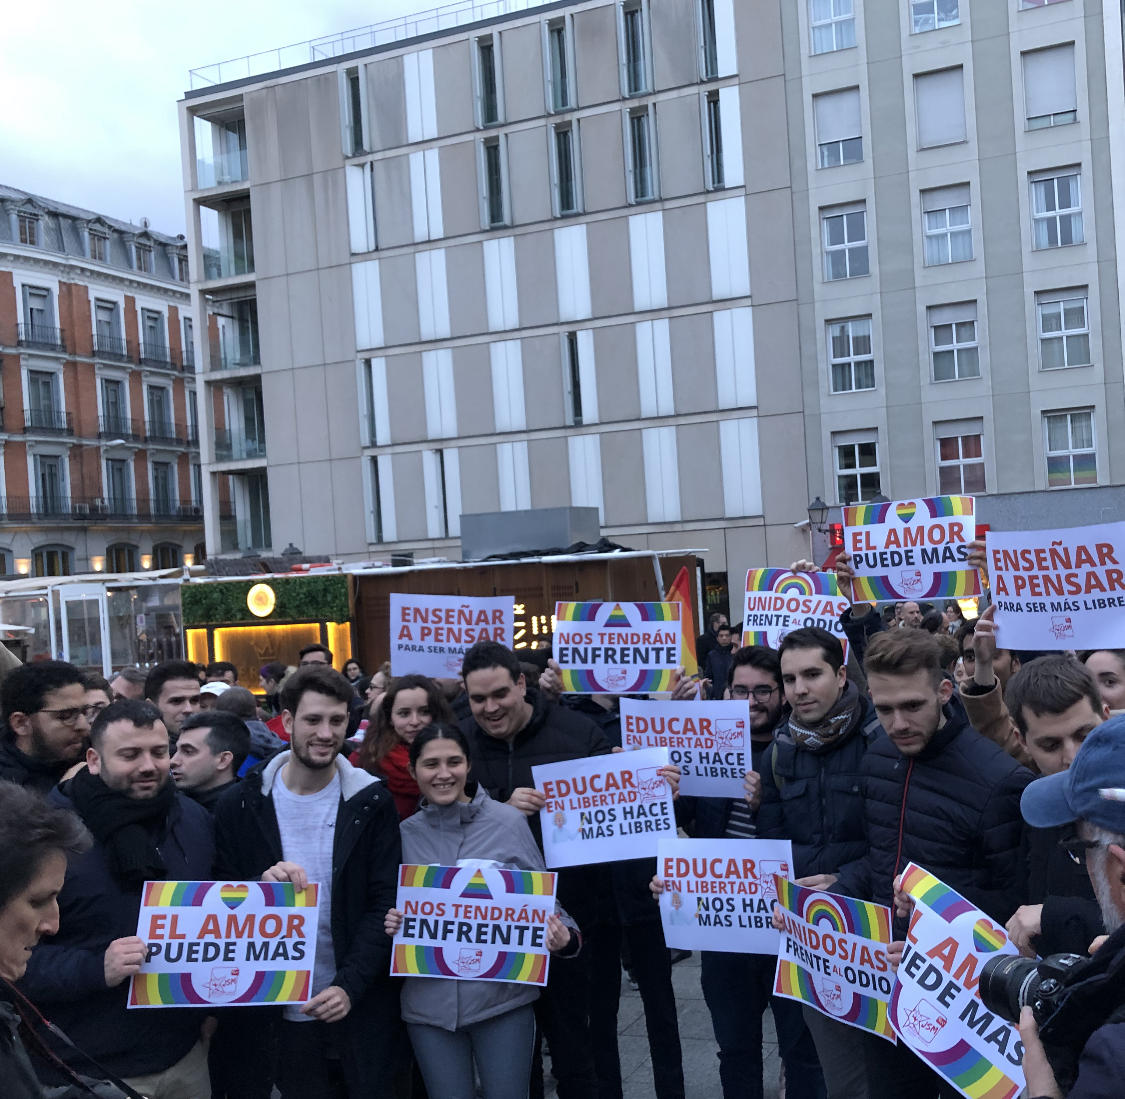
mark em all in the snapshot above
pixel 1083 1041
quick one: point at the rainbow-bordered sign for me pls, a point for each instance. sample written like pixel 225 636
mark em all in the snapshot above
pixel 617 648
pixel 912 549
pixel 779 601
pixel 935 1007
pixel 833 956
pixel 228 943
pixel 473 923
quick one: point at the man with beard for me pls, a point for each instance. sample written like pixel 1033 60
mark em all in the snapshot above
pixel 45 723
pixel 310 816
pixel 143 831
pixel 738 987
pixel 1089 797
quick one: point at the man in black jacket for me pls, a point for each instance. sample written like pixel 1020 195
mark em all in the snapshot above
pixel 211 749
pixel 307 816
pixel 1056 705
pixel 512 730
pixel 143 831
pixel 937 793
pixel 810 796
pixel 45 723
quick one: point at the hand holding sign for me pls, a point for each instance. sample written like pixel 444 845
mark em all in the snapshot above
pixel 329 1006
pixel 123 958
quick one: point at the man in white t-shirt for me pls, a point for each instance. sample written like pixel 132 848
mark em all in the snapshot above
pixel 308 816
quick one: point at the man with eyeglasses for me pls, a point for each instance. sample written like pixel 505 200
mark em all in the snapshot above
pixel 45 723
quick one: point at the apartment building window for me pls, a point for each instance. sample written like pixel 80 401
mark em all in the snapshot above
pixel 159 412
pixel 1056 211
pixel 714 140
pixel 441 475
pixel 117 489
pixel 1025 4
pixel 192 417
pixel 1064 330
pixel 165 555
pixel 839 128
pixel 377 500
pixel 189 344
pixel 566 171
pixel 488 93
pixel 857 469
pixel 155 347
pixel 28 229
pixel 355 112
pixel 845 244
pixel 1049 89
pixel 953 341
pixel 833 25
pixel 38 312
pixel 49 481
pixel 1071 456
pixel 99 247
pixel 196 484
pixel 43 399
pixel 939 105
pixel 114 409
pixel 634 42
pixel 121 558
pixel 162 490
pixel 710 50
pixel 574 375
pixel 642 174
pixel 494 183
pixel 52 561
pixel 242 239
pixel 947 230
pixel 143 258
pixel 932 15
pixel 559 66
pixel 183 273
pixel 849 352
pixel 960 458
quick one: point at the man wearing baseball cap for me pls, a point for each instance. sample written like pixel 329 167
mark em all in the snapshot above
pixel 1090 796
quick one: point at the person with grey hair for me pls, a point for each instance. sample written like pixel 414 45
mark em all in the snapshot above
pixel 263 740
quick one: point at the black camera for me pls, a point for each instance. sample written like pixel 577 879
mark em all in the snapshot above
pixel 1010 982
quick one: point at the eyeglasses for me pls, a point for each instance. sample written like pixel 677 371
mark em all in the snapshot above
pixel 1077 848
pixel 71 714
pixel 761 693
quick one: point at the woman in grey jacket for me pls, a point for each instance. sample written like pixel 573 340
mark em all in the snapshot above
pixel 454 1023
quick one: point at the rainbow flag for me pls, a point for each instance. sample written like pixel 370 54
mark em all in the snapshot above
pixel 934 894
pixel 427 877
pixel 532 882
pixel 277 894
pixel 680 592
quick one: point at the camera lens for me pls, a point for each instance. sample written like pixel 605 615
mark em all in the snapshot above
pixel 1007 983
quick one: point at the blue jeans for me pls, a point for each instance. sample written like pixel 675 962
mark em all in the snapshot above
pixel 499 1047
pixel 737 988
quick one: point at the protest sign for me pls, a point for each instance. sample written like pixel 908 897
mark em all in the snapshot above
pixel 833 957
pixel 779 601
pixel 719 894
pixel 911 549
pixel 617 648
pixel 708 741
pixel 229 943
pixel 473 923
pixel 431 633
pixel 1059 589
pixel 934 1005
pixel 604 808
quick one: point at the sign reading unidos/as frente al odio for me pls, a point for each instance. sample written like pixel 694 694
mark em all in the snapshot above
pixel 708 741
pixel 473 923
pixel 719 894
pixel 1059 589
pixel 833 957
pixel 779 601
pixel 912 549
pixel 617 648
pixel 225 943
pixel 430 634
pixel 935 1007
pixel 605 808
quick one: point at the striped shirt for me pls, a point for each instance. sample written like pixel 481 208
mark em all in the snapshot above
pixel 741 824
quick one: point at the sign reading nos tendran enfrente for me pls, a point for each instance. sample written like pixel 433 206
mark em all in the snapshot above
pixel 232 943
pixel 473 923
pixel 430 634
pixel 911 549
pixel 617 648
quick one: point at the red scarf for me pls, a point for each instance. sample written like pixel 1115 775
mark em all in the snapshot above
pixel 393 768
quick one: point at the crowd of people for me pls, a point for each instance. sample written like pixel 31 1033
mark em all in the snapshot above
pixel 926 743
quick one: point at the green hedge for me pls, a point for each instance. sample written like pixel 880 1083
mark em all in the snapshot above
pixel 320 598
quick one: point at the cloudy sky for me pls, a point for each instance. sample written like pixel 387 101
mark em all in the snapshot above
pixel 90 97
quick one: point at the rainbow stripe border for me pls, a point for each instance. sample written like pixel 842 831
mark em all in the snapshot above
pixel 866 1012
pixel 938 507
pixel 533 883
pixel 429 961
pixel 413 876
pixel 582 681
pixel 948 585
pixel 283 895
pixel 176 894
pixel 176 989
pixel 588 612
pixel 865 920
pixel 938 897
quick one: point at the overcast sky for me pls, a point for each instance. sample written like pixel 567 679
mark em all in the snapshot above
pixel 90 96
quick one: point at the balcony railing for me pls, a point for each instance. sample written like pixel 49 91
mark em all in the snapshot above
pixel 41 337
pixel 233 447
pixel 160 357
pixel 114 348
pixel 193 435
pixel 166 432
pixel 189 359
pixel 48 421
pixel 229 354
pixel 225 263
pixel 228 167
pixel 87 509
pixel 119 427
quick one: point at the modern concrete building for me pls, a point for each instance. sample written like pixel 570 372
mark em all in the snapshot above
pixel 98 429
pixel 691 262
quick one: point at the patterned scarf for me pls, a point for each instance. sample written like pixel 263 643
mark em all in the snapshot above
pixel 827 733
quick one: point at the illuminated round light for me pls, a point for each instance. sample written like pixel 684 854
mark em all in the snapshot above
pixel 261 600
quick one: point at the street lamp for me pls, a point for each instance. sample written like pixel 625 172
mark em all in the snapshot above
pixel 818 513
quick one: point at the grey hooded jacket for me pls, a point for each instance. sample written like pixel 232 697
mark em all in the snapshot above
pixel 445 835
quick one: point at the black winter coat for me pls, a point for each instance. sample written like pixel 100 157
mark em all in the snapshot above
pixel 860 630
pixel 554 734
pixel 34 774
pixel 954 809
pixel 717 667
pixel 813 799
pixel 366 853
pixel 1070 919
pixel 65 977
